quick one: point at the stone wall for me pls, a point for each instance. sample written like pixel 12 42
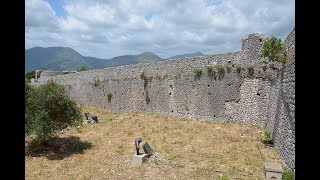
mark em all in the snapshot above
pixel 172 88
pixel 281 107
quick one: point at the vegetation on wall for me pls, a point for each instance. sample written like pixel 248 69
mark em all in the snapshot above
pixel 221 71
pixel 146 79
pixel 109 96
pixel 96 81
pixel 210 69
pixel 142 76
pixel 198 73
pixel 48 109
pixel 211 72
pixel 274 50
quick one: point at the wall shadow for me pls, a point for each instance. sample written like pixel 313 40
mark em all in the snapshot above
pixel 57 148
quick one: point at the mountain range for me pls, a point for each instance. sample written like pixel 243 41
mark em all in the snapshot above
pixel 66 58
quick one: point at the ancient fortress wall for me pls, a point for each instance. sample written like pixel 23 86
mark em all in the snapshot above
pixel 172 88
pixel 281 109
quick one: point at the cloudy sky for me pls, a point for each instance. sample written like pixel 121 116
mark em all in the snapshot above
pixel 109 28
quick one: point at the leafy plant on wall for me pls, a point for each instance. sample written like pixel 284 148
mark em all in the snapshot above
pixel 274 50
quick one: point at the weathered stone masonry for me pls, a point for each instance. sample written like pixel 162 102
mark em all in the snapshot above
pixel 171 88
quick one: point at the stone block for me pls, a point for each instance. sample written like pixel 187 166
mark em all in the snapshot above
pixel 273 170
pixel 137 160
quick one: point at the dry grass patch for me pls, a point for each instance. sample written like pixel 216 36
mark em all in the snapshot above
pixel 183 149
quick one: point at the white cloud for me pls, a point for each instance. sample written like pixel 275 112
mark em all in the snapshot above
pixel 107 28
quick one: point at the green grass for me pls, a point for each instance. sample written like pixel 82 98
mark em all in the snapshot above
pixel 288 175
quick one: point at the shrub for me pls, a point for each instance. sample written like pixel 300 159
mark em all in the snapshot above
pixel 211 72
pixel 220 69
pixel 198 72
pixel 109 96
pixel 267 139
pixel 288 175
pixel 48 109
pixel 274 50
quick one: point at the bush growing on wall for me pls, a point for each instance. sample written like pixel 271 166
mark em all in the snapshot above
pixel 221 71
pixel 274 50
pixel 48 109
pixel 198 72
pixel 96 81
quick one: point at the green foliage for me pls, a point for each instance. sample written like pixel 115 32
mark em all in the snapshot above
pixel 210 69
pixel 288 175
pixel 274 50
pixel 198 72
pixel 267 139
pixel 109 96
pixel 82 68
pixel 48 109
pixel 29 75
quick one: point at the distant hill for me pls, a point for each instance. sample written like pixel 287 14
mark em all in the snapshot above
pixel 187 55
pixel 53 58
pixel 65 58
pixel 146 57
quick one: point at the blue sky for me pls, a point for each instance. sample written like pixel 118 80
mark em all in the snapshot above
pixel 57 6
pixel 109 28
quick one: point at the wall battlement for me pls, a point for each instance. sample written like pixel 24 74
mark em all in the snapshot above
pixel 236 90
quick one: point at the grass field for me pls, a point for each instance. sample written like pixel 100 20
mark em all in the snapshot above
pixel 184 149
